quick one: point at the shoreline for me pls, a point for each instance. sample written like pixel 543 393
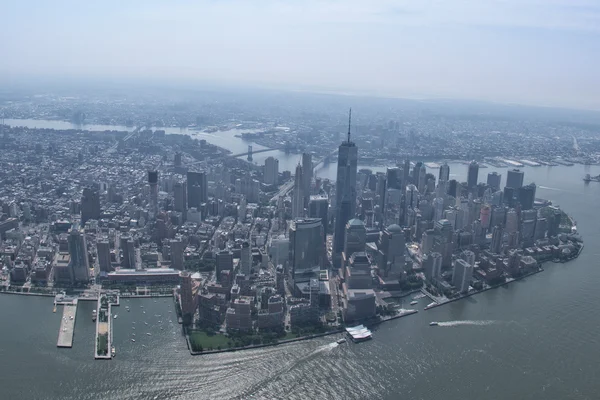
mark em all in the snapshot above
pixel 125 296
pixel 288 341
pixel 541 269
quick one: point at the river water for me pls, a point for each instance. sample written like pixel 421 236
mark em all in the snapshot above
pixel 534 339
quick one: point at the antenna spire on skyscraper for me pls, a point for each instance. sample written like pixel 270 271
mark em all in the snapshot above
pixel 349 123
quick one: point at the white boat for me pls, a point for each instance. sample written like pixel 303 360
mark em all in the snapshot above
pixel 146 323
pixel 148 333
pixel 412 303
pixel 431 304
pixel 434 323
pixel 94 315
pixel 115 316
pixel 340 341
pixel 133 340
pixel 112 351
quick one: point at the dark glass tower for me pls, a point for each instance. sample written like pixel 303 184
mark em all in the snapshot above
pixel 345 192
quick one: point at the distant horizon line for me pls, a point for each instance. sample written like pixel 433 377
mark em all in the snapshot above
pixel 21 82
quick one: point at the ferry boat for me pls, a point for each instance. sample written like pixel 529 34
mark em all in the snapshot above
pixel 434 323
pixel 412 303
pixel 112 351
pixel 94 315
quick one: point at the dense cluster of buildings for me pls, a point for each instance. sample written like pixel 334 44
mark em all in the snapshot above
pixel 146 209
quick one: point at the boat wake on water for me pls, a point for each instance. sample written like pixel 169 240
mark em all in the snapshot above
pixel 255 388
pixel 550 188
pixel 468 322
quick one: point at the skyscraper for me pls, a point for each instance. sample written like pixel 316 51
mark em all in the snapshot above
pixel 526 196
pixel 461 275
pixel 197 189
pixel 103 251
pixel 394 178
pixel 444 173
pixel 514 178
pixel 271 174
pixel 497 234
pixel 180 197
pixel 128 250
pixel 509 196
pixel 90 205
pixel 452 188
pixel 493 180
pixel 306 249
pixel 153 183
pixel 298 194
pixel 406 172
pixel 318 207
pixel 345 188
pixel 224 261
pixel 246 259
pixel 307 173
pixel 177 249
pixel 473 175
pixel 187 297
pixel 422 181
pixel 79 255
pixel 355 238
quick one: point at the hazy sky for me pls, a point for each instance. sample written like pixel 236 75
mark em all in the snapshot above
pixel 544 52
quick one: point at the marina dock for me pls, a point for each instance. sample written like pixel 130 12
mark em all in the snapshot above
pixel 67 325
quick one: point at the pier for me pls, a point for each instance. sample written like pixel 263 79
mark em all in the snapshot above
pixel 67 325
pixel 104 331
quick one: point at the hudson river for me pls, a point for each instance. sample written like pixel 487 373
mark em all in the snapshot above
pixel 533 339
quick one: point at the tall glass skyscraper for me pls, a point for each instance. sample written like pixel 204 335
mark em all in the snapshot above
pixel 345 189
pixel 473 175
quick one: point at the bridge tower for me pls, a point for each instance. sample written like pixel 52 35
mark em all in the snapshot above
pixel 249 152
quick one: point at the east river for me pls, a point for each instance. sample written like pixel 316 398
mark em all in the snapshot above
pixel 533 339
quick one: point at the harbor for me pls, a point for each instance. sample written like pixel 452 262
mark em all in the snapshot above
pixel 67 325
